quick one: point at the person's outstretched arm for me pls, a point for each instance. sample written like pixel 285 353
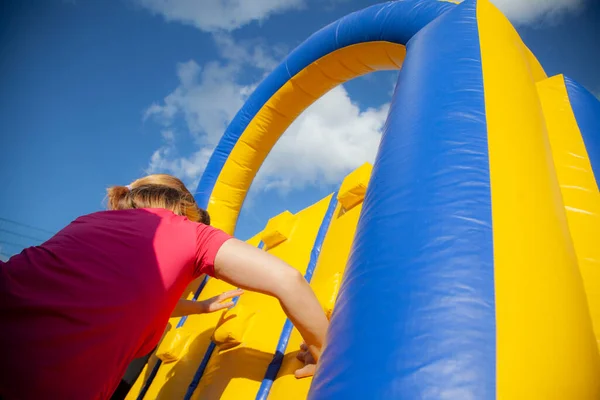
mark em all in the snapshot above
pixel 247 267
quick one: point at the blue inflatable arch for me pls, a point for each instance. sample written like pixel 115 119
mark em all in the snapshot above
pixel 369 40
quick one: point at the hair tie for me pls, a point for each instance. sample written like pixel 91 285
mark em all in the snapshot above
pixel 128 187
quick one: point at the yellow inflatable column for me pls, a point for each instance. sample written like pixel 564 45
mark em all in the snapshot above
pixel 578 187
pixel 545 346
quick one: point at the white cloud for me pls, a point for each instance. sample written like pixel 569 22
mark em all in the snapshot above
pixel 206 100
pixel 216 15
pixel 228 15
pixel 331 138
pixel 530 11
pixel 209 96
pixel 328 140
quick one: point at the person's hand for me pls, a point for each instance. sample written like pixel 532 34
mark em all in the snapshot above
pixel 309 359
pixel 190 307
pixel 216 303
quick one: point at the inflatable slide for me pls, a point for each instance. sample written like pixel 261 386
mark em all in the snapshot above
pixel 463 264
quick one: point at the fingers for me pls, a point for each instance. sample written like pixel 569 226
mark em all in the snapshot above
pixel 306 357
pixel 306 371
pixel 302 355
pixel 215 303
pixel 220 306
pixel 229 295
pixel 315 353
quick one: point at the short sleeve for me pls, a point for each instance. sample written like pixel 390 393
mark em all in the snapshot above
pixel 208 242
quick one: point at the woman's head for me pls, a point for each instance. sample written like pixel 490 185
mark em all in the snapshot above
pixel 157 191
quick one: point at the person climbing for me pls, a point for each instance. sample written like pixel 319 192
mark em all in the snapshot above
pixel 76 310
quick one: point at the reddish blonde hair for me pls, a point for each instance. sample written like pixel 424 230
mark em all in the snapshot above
pixel 157 191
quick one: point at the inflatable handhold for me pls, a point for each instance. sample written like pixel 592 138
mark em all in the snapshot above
pixel 174 344
pixel 278 229
pixel 353 189
pixel 331 290
pixel 232 326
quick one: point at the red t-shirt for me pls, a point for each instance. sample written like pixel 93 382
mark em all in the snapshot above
pixel 78 309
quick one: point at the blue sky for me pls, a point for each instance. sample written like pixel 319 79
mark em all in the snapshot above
pixel 98 92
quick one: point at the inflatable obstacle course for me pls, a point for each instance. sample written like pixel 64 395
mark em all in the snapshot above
pixel 463 264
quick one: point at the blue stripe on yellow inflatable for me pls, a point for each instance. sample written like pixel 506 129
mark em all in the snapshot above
pixel 286 332
pixel 586 108
pixel 393 21
pixel 207 354
pixel 415 317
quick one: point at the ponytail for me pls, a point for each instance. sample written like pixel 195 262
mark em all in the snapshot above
pixel 117 197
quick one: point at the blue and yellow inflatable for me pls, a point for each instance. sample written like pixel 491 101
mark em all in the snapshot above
pixel 464 264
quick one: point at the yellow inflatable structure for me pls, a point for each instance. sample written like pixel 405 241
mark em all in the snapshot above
pixel 463 264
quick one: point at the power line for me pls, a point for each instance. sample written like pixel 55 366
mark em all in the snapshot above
pixel 25 225
pixel 19 245
pixel 21 235
pixel 10 247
